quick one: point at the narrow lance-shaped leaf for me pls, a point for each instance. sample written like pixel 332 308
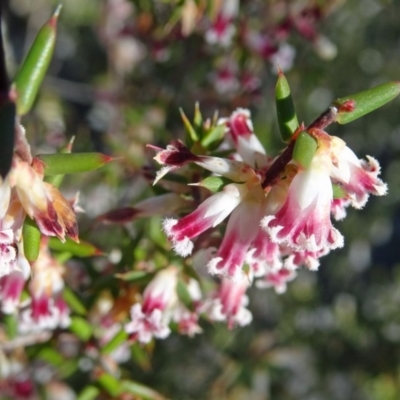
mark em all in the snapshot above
pixel 31 73
pixel 110 384
pixel 183 294
pixel 119 338
pixel 212 183
pixel 287 119
pixel 81 327
pixel 141 391
pixel 190 131
pixel 81 249
pixel 214 137
pixel 356 105
pixel 64 163
pixel 89 393
pixel 31 237
pixel 197 119
pixel 56 180
pixel 73 302
pixel 304 149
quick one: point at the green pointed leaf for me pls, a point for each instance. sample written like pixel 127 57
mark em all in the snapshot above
pixel 304 149
pixel 134 276
pixel 213 183
pixel 141 391
pixel 30 76
pixel 7 123
pixel 197 119
pixel 81 327
pixel 338 191
pixel 110 384
pixel 51 356
pixel 141 357
pixel 73 301
pixel 116 341
pixel 191 133
pixel 89 393
pixel 11 324
pixel 355 106
pixel 183 294
pixel 214 137
pixel 31 237
pixel 81 249
pixel 287 118
pixel 56 180
pixel 72 163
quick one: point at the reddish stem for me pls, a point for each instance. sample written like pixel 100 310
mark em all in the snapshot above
pixel 278 166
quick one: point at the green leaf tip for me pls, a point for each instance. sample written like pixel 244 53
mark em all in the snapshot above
pixel 357 105
pixel 190 131
pixel 287 118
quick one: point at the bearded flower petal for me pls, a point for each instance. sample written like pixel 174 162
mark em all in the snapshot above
pixel 303 222
pixel 209 214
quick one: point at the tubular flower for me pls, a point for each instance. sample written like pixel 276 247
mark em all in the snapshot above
pixel 359 178
pixel 24 193
pixel 39 200
pixel 47 309
pixel 240 129
pixel 42 201
pixel 151 318
pixel 303 222
pixel 229 303
pixel 209 214
pixel 161 306
pixel 240 232
pixel 278 210
pixel 14 267
pixel 222 29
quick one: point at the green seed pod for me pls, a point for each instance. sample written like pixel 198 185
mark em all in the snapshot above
pixel 287 118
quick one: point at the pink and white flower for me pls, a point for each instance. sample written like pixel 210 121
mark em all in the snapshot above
pixel 278 280
pixel 152 317
pixel 225 78
pixel 222 28
pixel 208 215
pixel 359 178
pixel 303 222
pixel 229 303
pixel 47 309
pixel 240 129
pixel 241 230
pixel 279 211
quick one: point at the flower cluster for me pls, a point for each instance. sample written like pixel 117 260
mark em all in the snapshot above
pixel 24 194
pixel 279 215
